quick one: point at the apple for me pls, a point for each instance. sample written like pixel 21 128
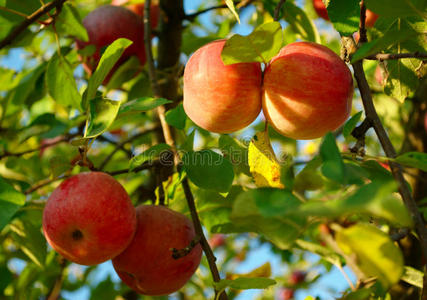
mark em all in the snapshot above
pixel 307 91
pixel 322 12
pixel 147 265
pixel 138 8
pixel 217 240
pixel 106 24
pixel 297 277
pixel 221 98
pixel 286 293
pixel 379 75
pixel 89 218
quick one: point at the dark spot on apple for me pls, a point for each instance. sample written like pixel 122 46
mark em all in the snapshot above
pixel 77 235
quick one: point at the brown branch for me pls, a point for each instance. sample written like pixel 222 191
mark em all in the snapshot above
pixel 30 20
pixel 362 29
pixel 167 134
pixel 277 10
pixel 191 17
pixel 47 145
pixel 56 289
pixel 391 153
pixel 359 134
pixel 120 146
pixel 145 166
pixel 178 253
pixel 390 56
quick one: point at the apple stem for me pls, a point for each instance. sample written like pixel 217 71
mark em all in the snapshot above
pixel 178 253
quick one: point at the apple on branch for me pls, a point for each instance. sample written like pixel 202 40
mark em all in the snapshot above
pixel 307 91
pixel 147 265
pixel 221 98
pixel 89 218
pixel 138 8
pixel 106 24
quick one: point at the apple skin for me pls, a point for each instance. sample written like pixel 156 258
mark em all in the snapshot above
pixel 307 91
pixel 89 218
pixel 147 265
pixel 221 98
pixel 138 8
pixel 322 12
pixel 106 24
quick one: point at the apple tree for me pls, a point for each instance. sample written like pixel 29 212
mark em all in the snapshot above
pixel 164 99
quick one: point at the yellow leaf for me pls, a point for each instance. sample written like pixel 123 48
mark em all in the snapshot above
pixel 263 164
pixel 262 271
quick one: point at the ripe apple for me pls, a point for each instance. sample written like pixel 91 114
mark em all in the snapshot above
pixel 322 12
pixel 217 240
pixel 89 218
pixel 138 8
pixel 217 97
pixel 147 265
pixel 297 277
pixel 286 293
pixel 106 24
pixel 307 91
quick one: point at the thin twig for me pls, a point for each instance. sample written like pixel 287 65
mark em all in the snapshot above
pixel 146 165
pixel 191 17
pixel 30 20
pixel 390 56
pixel 362 29
pixel 178 253
pixel 277 10
pixel 122 143
pixel 17 154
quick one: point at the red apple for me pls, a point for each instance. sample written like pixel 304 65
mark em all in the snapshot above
pixel 147 265
pixel 322 12
pixel 286 294
pixel 89 218
pixel 297 277
pixel 217 240
pixel 138 8
pixel 106 24
pixel 379 75
pixel 217 97
pixel 307 91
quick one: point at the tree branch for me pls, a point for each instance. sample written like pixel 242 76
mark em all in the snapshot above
pixel 277 10
pixel 30 20
pixel 171 142
pixel 191 17
pixel 391 153
pixel 389 56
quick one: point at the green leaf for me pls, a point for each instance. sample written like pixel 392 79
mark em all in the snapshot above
pixel 125 72
pixel 6 276
pixel 259 46
pixel 188 144
pixel 10 201
pixel 102 113
pixel 148 155
pixel 351 124
pixel 30 240
pixel 399 9
pixel 398 32
pixel 209 170
pixel 274 202
pixel 141 105
pixel 236 152
pixel 70 23
pixel 60 83
pixel 281 230
pixel 413 159
pixel 243 283
pixel 58 165
pixel 344 15
pixel 104 290
pixel 230 5
pixel 27 85
pixel 300 22
pixel 413 276
pixel 176 117
pixel 333 166
pixel 402 80
pixel 374 251
pixel 108 60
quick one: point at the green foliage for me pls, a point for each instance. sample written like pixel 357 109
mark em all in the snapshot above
pixel 344 16
pixel 10 201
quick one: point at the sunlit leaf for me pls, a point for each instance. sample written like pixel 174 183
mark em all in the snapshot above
pixel 102 113
pixel 141 105
pixel 263 163
pixel 230 5
pixel 333 166
pixel 344 15
pixel 148 155
pixel 260 46
pixel 414 160
pixel 376 254
pixel 243 283
pixel 176 117
pixel 10 201
pixel 413 276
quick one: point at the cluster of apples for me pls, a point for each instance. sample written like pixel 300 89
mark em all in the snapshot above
pixel 305 90
pixel 89 219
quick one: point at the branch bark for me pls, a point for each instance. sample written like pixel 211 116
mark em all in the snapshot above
pixel 390 56
pixel 30 20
